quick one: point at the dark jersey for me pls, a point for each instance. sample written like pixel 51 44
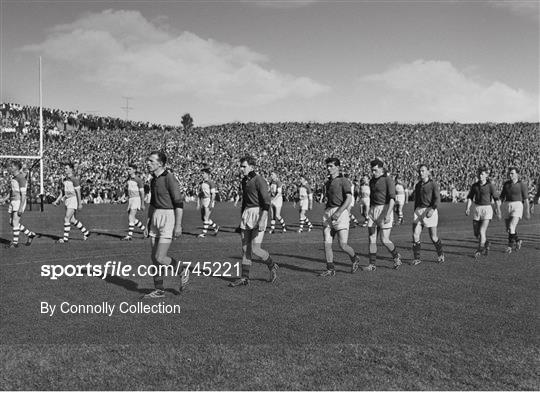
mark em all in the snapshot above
pixel 514 192
pixel 255 192
pixel 382 190
pixel 482 194
pixel 426 194
pixel 336 191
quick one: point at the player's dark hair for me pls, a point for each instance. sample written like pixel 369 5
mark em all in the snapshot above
pixel 70 164
pixel 483 168
pixel 249 159
pixel 206 170
pixel 17 164
pixel 332 160
pixel 162 157
pixel 131 165
pixel 513 168
pixel 376 162
pixel 423 165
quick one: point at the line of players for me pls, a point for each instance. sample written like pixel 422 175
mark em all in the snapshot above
pixel 378 198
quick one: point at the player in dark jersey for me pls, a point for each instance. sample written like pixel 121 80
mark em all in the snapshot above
pixel 336 218
pixel 164 221
pixel 255 206
pixel 17 205
pixel 381 213
pixel 426 201
pixel 482 194
pixel 515 193
pixel 70 193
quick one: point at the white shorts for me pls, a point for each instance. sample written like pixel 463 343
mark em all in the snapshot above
pixel 71 203
pixel 134 204
pixel 204 202
pixel 514 209
pixel 419 217
pixel 162 224
pixel 304 204
pixel 482 212
pixel 365 202
pixel 14 206
pixel 278 202
pixel 377 215
pixel 400 199
pixel 250 218
pixel 341 223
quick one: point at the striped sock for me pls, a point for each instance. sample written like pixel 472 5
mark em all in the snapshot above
pixel 81 227
pixel 140 225
pixel 67 228
pixel 212 224
pixel 205 227
pixel 130 229
pixel 308 223
pixel 16 232
pixel 281 221
pixel 25 230
pixel 302 224
pixel 272 225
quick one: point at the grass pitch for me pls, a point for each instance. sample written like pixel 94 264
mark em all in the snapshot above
pixel 461 325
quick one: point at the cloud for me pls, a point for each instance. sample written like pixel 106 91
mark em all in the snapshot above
pixel 121 50
pixel 281 4
pixel 437 91
pixel 529 8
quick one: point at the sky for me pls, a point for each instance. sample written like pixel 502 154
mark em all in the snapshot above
pixel 271 61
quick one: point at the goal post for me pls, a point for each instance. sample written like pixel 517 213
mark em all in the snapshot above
pixel 34 157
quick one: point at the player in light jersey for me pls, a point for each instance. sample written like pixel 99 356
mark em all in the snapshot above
pixel 400 199
pixel 135 192
pixel 515 193
pixel 17 204
pixel 305 203
pixel 206 202
pixel 365 193
pixel 70 193
pixel 536 198
pixel 276 202
pixel 353 219
pixel 482 193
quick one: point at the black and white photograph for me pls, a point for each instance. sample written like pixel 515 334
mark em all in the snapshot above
pixel 269 195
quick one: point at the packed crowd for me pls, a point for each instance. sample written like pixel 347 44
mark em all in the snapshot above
pixel 454 151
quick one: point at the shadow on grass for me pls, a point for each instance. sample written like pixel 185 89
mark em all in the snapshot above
pixel 100 232
pixel 127 284
pixel 49 236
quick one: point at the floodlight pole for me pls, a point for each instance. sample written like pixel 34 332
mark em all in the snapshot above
pixel 41 188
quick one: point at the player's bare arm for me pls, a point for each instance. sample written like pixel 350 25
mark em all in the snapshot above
pixel 346 203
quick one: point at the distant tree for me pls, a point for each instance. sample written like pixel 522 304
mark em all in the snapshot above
pixel 187 122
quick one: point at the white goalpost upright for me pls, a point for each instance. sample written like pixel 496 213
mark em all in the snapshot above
pixel 40 156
